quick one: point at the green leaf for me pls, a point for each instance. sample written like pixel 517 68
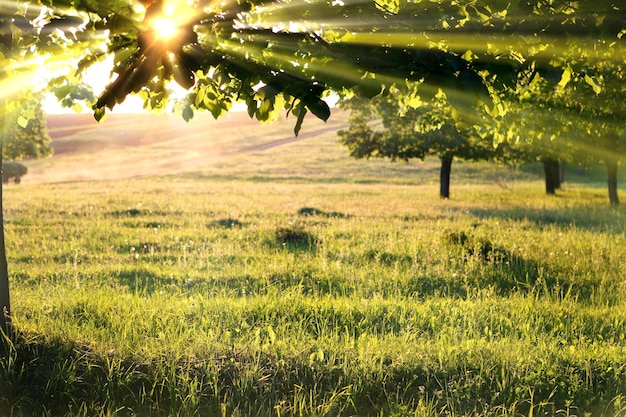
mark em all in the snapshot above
pixel 319 108
pixel 268 92
pixel 264 110
pixel 252 107
pixel 183 75
pixel 62 92
pixel 593 82
pixel 200 94
pixel 216 110
pixel 301 113
pixel 565 77
pixel 187 113
pixel 99 114
pixel 77 107
pixel 22 122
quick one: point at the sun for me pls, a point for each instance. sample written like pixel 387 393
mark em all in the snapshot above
pixel 168 26
pixel 165 28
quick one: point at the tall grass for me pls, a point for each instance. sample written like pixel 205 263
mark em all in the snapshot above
pixel 176 296
pixel 298 283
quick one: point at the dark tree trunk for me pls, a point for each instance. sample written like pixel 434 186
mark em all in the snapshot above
pixel 611 161
pixel 556 171
pixel 444 178
pixel 551 171
pixel 611 165
pixel 5 305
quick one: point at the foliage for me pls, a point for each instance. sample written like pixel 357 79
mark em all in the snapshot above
pixel 579 119
pixel 27 136
pixel 581 110
pixel 430 129
pixel 386 127
pixel 149 306
pixel 287 55
pixel 13 170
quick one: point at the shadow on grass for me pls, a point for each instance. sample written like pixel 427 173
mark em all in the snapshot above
pixel 605 219
pixel 54 377
pixel 129 213
pixel 57 377
pixel 143 280
pixel 490 266
pixel 134 213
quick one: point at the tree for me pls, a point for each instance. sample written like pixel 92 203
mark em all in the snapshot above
pixel 575 113
pixel 27 135
pixel 384 128
pixel 538 130
pixel 597 99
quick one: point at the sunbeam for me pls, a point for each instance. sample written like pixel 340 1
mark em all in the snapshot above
pixel 319 45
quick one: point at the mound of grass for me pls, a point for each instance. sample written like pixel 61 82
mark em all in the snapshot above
pixel 227 223
pixel 294 236
pixel 312 211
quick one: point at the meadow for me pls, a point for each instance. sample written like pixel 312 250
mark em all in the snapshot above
pixel 293 281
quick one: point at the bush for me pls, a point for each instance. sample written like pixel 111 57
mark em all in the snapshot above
pixel 12 169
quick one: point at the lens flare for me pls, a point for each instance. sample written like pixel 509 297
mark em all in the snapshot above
pixel 165 28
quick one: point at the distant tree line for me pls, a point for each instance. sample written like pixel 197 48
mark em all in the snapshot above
pixel 567 120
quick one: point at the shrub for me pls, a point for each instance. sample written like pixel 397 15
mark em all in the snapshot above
pixel 12 169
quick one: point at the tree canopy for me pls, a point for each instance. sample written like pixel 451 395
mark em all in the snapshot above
pixel 26 134
pixel 576 116
pixel 386 127
pixel 287 55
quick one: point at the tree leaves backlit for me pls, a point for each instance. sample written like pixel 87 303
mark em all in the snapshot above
pixel 289 55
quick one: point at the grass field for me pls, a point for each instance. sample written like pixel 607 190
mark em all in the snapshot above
pixel 292 281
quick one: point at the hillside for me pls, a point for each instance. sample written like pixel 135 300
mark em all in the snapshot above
pixel 139 145
pixel 236 147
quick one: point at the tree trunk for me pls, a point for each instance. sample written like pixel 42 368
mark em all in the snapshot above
pixel 5 305
pixel 444 179
pixel 556 171
pixel 551 172
pixel 611 160
pixel 611 165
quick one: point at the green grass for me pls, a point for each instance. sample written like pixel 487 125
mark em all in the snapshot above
pixel 254 289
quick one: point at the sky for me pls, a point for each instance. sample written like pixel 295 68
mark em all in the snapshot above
pixel 97 76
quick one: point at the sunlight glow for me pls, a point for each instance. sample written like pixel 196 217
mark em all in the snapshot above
pixel 167 25
pixel 165 28
pixel 170 23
